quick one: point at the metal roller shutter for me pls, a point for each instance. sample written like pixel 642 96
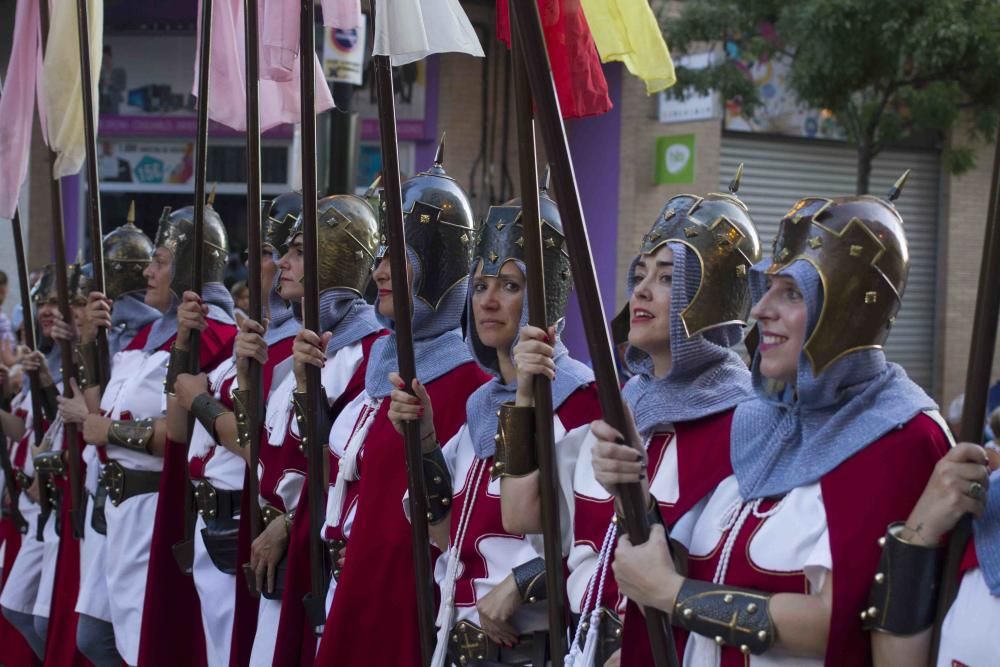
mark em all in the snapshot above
pixel 778 172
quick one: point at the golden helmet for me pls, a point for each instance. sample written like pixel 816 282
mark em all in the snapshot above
pixel 176 234
pixel 127 253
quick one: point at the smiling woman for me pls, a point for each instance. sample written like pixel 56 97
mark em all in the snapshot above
pixel 781 315
pixel 650 307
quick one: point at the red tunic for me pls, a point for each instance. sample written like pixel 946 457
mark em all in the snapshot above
pixel 15 650
pixel 377 587
pixel 875 487
pixel 60 642
pixel 296 641
pixel 171 622
pixel 702 462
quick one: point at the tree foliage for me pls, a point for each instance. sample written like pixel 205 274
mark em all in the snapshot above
pixel 888 70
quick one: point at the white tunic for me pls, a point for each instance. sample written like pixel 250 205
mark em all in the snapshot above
pixel 50 550
pixel 135 391
pixel 969 637
pixel 791 540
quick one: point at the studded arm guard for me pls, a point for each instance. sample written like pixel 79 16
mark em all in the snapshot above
pixel 206 409
pixel 300 401
pixel 136 435
pixel 515 438
pixel 903 597
pixel 437 481
pixel 530 580
pixel 241 403
pixel 732 616
pixel 50 404
pixel 180 362
pixel 86 355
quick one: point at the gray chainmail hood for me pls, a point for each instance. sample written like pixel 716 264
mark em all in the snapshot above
pixel 706 376
pixel 482 406
pixel 437 338
pixel 791 436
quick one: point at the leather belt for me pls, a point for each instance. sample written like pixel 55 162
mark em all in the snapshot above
pixel 22 479
pixel 468 643
pixel 216 504
pixel 123 483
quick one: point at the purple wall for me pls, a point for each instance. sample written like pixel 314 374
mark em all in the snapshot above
pixel 595 145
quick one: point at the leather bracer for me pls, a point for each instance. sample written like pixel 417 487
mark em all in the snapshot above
pixel 180 362
pixel 88 364
pixel 437 482
pixel 241 406
pixel 136 435
pixel 530 580
pixel 731 616
pixel 206 409
pixel 515 438
pixel 903 597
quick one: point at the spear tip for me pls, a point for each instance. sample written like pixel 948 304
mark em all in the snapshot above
pixel 439 155
pixel 546 179
pixel 370 192
pixel 211 195
pixel 897 187
pixel 734 185
pixel 130 218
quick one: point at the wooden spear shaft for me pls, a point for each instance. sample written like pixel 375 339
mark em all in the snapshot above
pixel 65 348
pixel 200 176
pixel 527 23
pixel 29 326
pixel 254 250
pixel 977 383
pixel 93 185
pixel 402 321
pixel 548 479
pixel 314 437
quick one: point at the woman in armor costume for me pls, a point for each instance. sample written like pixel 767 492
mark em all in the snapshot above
pixel 836 443
pixel 24 585
pixel 218 456
pixel 129 423
pixel 18 440
pixel 904 591
pixel 376 586
pixel 688 298
pixel 124 313
pixel 347 238
pixel 492 602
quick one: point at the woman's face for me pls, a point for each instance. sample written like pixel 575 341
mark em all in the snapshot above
pixel 290 287
pixel 158 275
pixel 649 305
pixel 47 313
pixel 781 315
pixel 497 304
pixel 383 280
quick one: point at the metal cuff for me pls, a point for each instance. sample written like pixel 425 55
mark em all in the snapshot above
pixel 530 580
pixel 732 616
pixel 269 513
pixel 903 598
pixel 206 409
pixel 131 434
pixel 50 404
pixel 87 362
pixel 515 438
pixel 241 404
pixel 437 480
pixel 179 363
pixel 300 401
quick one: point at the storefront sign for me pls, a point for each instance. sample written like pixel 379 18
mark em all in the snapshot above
pixel 674 159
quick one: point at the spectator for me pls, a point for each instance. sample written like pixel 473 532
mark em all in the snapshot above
pixel 241 297
pixel 6 330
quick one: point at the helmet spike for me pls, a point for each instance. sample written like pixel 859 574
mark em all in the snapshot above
pixel 734 185
pixel 439 155
pixel 546 179
pixel 211 195
pixel 370 192
pixel 897 187
pixel 130 218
